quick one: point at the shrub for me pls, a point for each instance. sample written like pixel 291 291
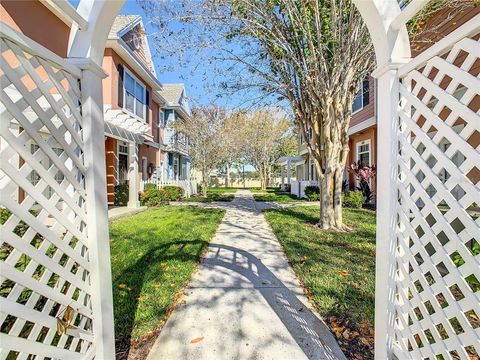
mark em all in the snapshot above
pixel 152 197
pixel 312 192
pixel 148 186
pixel 121 195
pixel 172 193
pixel 353 199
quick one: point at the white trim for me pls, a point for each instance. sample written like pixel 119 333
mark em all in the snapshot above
pixel 357 152
pixel 142 84
pixel 66 12
pixel 124 143
pixel 407 13
pixel 35 48
pixel 127 55
pixel 362 126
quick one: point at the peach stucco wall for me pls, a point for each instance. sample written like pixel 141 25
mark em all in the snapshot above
pixel 34 20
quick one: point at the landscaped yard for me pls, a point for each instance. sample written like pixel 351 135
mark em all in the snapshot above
pixel 337 269
pixel 273 194
pixel 153 256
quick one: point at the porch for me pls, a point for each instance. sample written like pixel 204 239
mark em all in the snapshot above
pixel 297 188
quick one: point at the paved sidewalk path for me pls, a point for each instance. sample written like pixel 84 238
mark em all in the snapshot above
pixel 245 301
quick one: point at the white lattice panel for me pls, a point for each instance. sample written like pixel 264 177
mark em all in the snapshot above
pixel 438 259
pixel 44 253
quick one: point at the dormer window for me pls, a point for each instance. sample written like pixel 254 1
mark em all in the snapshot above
pixel 134 96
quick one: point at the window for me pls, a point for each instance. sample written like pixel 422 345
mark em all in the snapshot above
pixel 134 96
pixel 312 170
pixel 363 153
pixel 362 98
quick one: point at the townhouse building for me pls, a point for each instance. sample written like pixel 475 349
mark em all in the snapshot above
pixel 136 114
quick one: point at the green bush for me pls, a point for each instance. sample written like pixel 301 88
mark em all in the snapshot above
pixel 121 195
pixel 154 197
pixel 353 199
pixel 149 186
pixel 312 192
pixel 173 193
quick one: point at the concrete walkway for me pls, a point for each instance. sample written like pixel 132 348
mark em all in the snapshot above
pixel 119 212
pixel 245 301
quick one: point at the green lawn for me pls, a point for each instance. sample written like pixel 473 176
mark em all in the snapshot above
pixel 273 194
pixel 221 190
pixel 211 196
pixel 337 269
pixel 267 190
pixel 153 256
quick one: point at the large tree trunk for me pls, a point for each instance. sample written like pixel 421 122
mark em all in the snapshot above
pixel 331 199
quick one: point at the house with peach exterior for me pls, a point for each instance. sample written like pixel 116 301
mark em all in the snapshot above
pixel 134 99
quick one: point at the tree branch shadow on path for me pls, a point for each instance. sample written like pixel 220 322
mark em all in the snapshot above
pixel 307 329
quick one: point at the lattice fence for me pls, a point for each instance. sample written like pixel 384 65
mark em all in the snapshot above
pixel 438 260
pixel 45 280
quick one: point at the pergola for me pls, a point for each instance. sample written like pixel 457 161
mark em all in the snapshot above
pixel 287 161
pixel 409 220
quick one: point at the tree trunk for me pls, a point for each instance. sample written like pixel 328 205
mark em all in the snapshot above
pixel 331 199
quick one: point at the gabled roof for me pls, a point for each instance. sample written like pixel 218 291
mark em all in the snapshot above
pixel 172 93
pixel 174 96
pixel 121 26
pixel 121 23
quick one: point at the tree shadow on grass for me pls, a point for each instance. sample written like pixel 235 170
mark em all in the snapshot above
pixel 128 285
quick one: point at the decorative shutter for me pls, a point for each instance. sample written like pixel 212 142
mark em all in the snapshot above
pixel 120 85
pixel 147 105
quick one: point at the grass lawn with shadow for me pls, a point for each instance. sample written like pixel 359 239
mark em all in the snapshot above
pixel 337 269
pixel 153 255
pixel 211 196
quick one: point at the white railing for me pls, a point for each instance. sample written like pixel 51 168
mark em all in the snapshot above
pixel 189 186
pixel 436 288
pixel 297 188
pixel 53 224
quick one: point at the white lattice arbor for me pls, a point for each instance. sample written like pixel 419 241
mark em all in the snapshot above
pixel 428 225
pixel 56 299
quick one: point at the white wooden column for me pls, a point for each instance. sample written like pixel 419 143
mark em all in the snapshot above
pixel 97 214
pixel 133 176
pixel 387 173
pixel 288 172
pixel 282 175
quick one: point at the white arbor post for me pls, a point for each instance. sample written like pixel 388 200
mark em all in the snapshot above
pixel 288 172
pixel 387 171
pixel 97 214
pixel 282 175
pixel 133 176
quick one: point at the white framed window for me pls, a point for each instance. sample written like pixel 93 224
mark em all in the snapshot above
pixel 134 96
pixel 364 153
pixel 312 170
pixel 362 98
pixel 122 162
